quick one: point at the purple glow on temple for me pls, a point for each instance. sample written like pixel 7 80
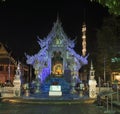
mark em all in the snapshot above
pixel 56 56
pixel 44 74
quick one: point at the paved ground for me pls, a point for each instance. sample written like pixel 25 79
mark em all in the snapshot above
pixel 70 108
pixel 51 106
pixel 49 109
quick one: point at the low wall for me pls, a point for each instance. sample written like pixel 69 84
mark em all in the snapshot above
pixel 103 89
pixel 7 91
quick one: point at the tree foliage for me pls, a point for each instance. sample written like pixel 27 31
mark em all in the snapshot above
pixel 108 39
pixel 113 5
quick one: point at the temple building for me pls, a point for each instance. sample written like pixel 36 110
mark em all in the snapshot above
pixel 57 62
pixel 8 66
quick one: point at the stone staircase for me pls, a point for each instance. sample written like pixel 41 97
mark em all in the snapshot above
pixel 65 86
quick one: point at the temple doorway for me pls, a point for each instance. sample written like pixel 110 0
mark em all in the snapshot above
pixel 57 64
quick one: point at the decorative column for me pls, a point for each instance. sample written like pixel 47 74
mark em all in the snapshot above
pixel 17 82
pixel 73 78
pixel 84 39
pixel 92 83
pixel 37 72
pixel 37 83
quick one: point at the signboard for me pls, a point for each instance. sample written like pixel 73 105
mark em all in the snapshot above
pixel 115 59
pixel 55 88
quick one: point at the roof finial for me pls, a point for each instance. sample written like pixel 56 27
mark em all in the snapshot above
pixel 91 65
pixel 58 19
pixel 84 15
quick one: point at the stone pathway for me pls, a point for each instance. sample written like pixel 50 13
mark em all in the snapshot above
pixel 82 108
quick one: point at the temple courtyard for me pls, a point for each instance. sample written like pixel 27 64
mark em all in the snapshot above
pixel 52 106
pixel 15 106
pixel 57 86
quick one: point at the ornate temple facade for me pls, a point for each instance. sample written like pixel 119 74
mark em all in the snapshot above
pixel 57 57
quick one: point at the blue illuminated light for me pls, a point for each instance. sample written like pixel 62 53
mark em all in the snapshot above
pixel 56 41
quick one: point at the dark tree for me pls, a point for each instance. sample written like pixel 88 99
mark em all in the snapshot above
pixel 113 5
pixel 108 45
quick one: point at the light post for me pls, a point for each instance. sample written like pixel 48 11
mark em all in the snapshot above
pixel 116 83
pixel 99 84
pixel 117 93
pixel 104 71
pixel 9 72
pixel 111 104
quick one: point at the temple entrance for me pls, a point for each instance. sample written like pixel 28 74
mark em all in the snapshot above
pixel 57 64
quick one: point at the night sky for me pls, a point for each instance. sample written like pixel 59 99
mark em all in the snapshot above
pixel 21 21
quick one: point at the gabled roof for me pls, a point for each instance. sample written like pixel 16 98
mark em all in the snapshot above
pixel 57 31
pixel 5 56
pixel 3 50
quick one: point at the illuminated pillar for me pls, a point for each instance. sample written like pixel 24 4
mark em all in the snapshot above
pixel 92 83
pixel 84 39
